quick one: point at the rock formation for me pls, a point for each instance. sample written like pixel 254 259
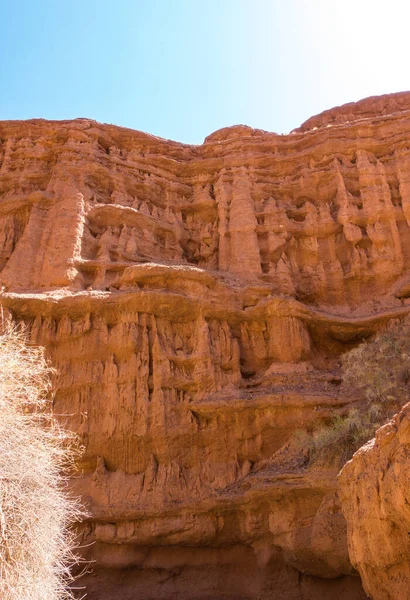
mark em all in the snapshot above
pixel 195 301
pixel 376 499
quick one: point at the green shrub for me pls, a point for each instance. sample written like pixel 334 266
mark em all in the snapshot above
pixel 343 435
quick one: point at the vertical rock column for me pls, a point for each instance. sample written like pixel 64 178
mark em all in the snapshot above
pixel 403 176
pixel 44 255
pixel 223 194
pixel 245 256
pixel 386 253
pixel 240 227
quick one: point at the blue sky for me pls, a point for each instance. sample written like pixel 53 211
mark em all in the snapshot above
pixel 181 69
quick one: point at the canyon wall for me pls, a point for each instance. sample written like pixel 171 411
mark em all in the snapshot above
pixel 195 301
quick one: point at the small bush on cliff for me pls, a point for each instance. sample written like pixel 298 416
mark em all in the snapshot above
pixel 35 509
pixel 343 435
pixel 379 371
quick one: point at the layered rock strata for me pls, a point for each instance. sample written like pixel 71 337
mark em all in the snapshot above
pixel 195 301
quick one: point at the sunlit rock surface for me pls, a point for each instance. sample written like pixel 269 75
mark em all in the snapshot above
pixel 195 301
pixel 374 487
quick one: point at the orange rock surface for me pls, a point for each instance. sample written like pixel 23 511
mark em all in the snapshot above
pixel 195 301
pixel 374 488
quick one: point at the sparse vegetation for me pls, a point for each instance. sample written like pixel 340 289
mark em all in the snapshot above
pixel 343 435
pixel 36 511
pixel 378 370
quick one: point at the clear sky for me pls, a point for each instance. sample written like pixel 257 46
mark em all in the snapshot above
pixel 181 69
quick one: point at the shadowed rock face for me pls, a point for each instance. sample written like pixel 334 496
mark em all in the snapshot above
pixel 195 301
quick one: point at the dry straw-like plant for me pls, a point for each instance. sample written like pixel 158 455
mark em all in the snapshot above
pixel 36 509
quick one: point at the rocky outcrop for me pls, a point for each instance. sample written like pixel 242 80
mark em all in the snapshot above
pixel 375 500
pixel 195 301
pixel 374 107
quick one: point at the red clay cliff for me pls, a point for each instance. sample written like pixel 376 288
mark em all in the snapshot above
pixel 195 301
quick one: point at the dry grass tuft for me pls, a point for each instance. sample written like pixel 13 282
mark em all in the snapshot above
pixel 36 511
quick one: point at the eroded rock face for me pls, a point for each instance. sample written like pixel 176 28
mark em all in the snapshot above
pixel 195 301
pixel 376 502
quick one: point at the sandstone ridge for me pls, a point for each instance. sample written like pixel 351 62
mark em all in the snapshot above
pixel 195 301
pixel 374 107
